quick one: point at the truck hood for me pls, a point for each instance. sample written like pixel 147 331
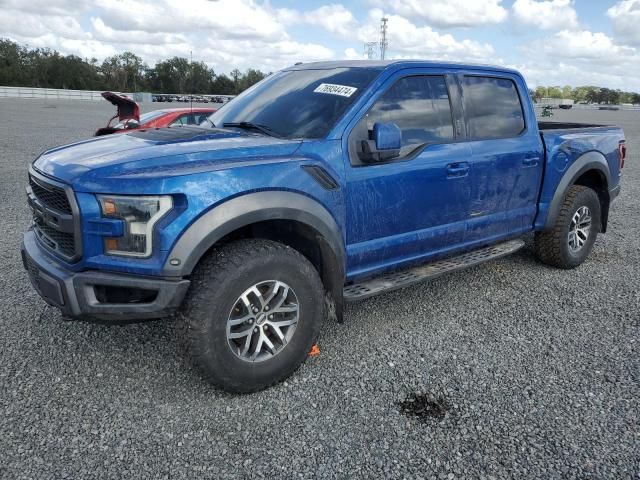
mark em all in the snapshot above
pixel 158 152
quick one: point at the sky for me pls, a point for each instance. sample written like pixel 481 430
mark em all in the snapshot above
pixel 553 42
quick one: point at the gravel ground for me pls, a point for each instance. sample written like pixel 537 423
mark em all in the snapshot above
pixel 536 370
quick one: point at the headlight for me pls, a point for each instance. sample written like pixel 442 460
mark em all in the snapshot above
pixel 139 214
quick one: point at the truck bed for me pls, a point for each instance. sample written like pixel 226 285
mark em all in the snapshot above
pixel 564 143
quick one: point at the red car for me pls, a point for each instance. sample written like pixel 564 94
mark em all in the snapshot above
pixel 129 118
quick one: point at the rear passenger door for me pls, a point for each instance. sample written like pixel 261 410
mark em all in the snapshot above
pixel 413 206
pixel 506 157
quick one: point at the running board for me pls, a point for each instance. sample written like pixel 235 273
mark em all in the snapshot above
pixel 403 278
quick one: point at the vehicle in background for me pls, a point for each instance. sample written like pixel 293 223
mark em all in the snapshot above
pixel 129 118
pixel 323 183
pixel 220 98
pixel 564 103
pixel 185 98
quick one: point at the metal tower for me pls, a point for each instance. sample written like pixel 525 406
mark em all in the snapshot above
pixel 368 49
pixel 383 37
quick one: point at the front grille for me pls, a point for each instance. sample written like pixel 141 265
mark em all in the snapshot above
pixel 50 195
pixel 53 220
pixel 56 240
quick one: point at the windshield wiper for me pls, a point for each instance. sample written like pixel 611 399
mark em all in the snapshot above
pixel 253 126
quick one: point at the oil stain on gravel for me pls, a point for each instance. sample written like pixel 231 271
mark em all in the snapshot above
pixel 424 406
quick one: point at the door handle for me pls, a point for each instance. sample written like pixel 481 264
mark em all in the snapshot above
pixel 455 170
pixel 531 161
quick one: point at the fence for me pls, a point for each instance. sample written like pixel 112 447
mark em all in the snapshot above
pixel 55 93
pixel 49 93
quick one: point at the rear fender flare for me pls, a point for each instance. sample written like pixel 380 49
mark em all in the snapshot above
pixel 584 163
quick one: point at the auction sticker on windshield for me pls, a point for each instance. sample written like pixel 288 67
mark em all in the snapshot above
pixel 332 89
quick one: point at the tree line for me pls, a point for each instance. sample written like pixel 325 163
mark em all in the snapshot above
pixel 21 66
pixel 587 93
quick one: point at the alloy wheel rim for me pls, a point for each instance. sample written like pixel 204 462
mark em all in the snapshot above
pixel 579 229
pixel 262 321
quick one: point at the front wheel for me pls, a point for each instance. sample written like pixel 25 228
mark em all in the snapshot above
pixel 254 310
pixel 568 244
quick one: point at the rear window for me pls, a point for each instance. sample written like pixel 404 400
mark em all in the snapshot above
pixel 147 117
pixel 492 107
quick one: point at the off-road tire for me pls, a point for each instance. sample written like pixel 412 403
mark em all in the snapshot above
pixel 552 246
pixel 218 281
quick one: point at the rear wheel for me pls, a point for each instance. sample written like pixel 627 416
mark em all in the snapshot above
pixel 568 244
pixel 254 312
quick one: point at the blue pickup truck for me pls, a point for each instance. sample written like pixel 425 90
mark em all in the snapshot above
pixel 322 184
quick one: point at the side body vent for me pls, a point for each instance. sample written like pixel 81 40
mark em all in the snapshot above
pixel 321 176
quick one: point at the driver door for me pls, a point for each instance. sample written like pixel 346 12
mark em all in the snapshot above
pixel 414 206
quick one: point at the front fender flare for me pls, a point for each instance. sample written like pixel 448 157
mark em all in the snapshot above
pixel 584 163
pixel 246 210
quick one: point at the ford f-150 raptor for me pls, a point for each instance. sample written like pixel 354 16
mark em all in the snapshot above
pixel 323 183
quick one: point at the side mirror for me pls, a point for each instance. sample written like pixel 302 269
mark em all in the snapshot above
pixel 386 143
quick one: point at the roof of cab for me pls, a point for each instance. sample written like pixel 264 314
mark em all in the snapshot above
pixel 396 65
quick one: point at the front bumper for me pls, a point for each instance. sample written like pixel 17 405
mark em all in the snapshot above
pixel 82 295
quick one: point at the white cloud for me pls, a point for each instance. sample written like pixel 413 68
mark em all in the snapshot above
pixel 105 33
pixel 226 34
pixel 582 58
pixel 286 16
pixel 46 7
pixel 563 73
pixel 242 19
pixel 82 48
pixel 625 17
pixel 333 18
pixel 449 13
pixel 586 45
pixel 547 14
pixel 408 40
pixel 34 25
pixel 351 54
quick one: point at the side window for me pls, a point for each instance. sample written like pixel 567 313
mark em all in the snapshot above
pixel 492 106
pixel 201 118
pixel 181 120
pixel 419 105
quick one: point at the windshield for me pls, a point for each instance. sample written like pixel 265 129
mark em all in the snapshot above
pixel 297 103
